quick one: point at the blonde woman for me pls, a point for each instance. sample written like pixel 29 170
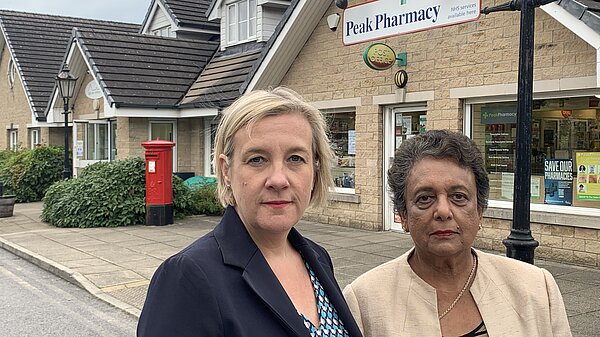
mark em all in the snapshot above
pixel 254 274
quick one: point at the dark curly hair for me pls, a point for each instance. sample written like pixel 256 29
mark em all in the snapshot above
pixel 437 144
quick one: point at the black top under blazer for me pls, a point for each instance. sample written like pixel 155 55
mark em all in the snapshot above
pixel 222 286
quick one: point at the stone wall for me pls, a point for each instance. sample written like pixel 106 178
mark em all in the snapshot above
pixel 558 242
pixel 131 133
pixel 14 106
pixel 190 145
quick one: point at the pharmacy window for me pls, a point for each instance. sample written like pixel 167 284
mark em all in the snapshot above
pixel 565 149
pixel 241 21
pixel 343 141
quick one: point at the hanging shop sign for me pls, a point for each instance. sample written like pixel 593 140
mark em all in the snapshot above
pixel 379 56
pixel 379 19
pixel 558 181
pixel 92 90
pixel 588 186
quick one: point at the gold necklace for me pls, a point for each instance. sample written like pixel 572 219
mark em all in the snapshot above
pixel 464 288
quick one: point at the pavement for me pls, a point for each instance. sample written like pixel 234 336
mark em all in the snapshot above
pixel 116 264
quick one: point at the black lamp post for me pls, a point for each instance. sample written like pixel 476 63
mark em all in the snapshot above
pixel 66 88
pixel 520 244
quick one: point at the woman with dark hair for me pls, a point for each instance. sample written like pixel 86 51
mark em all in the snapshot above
pixel 442 286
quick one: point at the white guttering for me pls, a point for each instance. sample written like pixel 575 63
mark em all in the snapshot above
pixel 112 112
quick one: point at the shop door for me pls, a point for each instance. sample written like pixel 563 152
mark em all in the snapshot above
pixel 92 142
pixel 401 123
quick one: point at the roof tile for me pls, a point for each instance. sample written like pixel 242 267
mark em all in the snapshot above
pixel 38 43
pixel 219 83
pixel 191 13
pixel 144 70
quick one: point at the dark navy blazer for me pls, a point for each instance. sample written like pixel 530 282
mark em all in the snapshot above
pixel 222 286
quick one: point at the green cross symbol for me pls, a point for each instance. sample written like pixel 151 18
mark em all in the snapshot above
pixel 402 2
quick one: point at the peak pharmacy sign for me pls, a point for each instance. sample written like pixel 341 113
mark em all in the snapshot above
pixel 379 19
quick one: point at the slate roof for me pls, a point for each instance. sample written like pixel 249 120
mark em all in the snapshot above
pixel 588 11
pixel 219 84
pixel 189 13
pixel 137 70
pixel 38 43
pixel 227 76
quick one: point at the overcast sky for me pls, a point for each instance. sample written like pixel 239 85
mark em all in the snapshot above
pixel 114 10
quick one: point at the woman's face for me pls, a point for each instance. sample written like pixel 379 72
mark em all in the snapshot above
pixel 271 173
pixel 441 207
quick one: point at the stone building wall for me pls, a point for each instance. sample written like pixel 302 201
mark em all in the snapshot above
pixel 14 107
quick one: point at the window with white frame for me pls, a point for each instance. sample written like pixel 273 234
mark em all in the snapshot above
pixel 113 140
pixel 163 31
pixel 96 141
pixel 343 141
pixel 241 21
pixel 210 132
pixel 34 138
pixel 13 140
pixel 565 149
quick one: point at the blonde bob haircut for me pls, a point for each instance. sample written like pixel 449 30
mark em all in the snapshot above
pixel 256 105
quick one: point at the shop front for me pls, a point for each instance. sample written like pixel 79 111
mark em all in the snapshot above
pixel 463 77
pixel 565 142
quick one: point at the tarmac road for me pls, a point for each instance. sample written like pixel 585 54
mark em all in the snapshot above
pixel 37 303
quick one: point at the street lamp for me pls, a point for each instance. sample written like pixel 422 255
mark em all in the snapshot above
pixel 66 88
pixel 520 244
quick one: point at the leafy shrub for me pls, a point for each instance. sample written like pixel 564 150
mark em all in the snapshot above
pixel 205 199
pixel 5 155
pixel 104 195
pixel 29 173
pixel 110 194
pixel 183 202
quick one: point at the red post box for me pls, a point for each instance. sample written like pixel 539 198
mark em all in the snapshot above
pixel 159 182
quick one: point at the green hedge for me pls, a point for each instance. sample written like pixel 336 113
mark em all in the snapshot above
pixel 113 194
pixel 205 198
pixel 104 195
pixel 29 173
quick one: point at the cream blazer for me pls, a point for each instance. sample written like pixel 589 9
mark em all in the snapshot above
pixel 513 297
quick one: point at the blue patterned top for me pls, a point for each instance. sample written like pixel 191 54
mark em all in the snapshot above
pixel 330 325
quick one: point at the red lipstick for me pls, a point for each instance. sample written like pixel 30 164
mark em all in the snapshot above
pixel 443 233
